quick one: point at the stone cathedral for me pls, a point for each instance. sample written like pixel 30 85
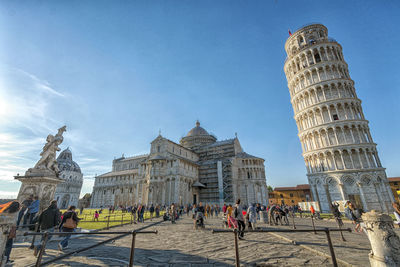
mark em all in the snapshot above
pixel 340 155
pixel 200 168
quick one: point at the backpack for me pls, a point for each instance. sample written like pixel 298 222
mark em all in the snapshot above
pixel 236 212
pixel 69 222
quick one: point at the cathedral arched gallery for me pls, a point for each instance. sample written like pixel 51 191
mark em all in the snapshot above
pixel 199 168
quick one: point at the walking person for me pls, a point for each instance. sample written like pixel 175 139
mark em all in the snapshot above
pixel 252 216
pixel 238 214
pixel 312 210
pixel 69 223
pixel 337 214
pixel 277 215
pixel 10 208
pixel 96 216
pixel 23 213
pixel 173 213
pixel 33 209
pixel 48 220
pixel 151 212
pixel 134 210
pixel 142 210
pixel 138 213
pixel 354 214
pixel 157 211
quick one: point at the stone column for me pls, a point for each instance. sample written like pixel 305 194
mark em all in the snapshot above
pixel 264 197
pixel 163 187
pixel 385 243
pixel 364 202
pixel 381 202
pixel 389 190
pixel 342 192
pixel 328 196
pixel 176 197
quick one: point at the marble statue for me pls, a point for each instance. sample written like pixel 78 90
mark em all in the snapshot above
pixel 48 161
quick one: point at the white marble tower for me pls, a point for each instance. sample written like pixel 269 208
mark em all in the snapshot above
pixel 340 156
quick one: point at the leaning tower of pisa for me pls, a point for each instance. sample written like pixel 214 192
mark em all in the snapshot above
pixel 340 156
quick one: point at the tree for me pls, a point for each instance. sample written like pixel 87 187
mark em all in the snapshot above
pixel 270 189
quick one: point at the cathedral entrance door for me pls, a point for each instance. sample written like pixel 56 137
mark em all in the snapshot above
pixel 194 199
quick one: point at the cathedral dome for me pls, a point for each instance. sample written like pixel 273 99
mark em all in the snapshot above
pixel 65 162
pixel 197 137
pixel 197 130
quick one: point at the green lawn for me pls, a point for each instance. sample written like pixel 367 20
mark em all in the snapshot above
pixel 87 218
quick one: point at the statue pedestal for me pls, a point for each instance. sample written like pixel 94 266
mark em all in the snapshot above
pixel 385 243
pixel 38 183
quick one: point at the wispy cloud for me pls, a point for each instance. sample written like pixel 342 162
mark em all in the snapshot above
pixel 41 84
pixel 25 119
pixel 30 109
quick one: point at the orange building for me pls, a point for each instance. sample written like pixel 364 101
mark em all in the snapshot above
pixel 394 183
pixel 290 195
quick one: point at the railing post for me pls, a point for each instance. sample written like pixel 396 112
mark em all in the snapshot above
pixel 340 227
pixel 34 237
pixel 122 221
pixel 313 226
pixel 328 237
pixel 237 261
pixel 44 242
pixel 108 222
pixel 131 259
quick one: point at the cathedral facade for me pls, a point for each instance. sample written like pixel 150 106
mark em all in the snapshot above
pixel 200 168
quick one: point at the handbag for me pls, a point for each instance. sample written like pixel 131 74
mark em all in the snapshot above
pixel 69 223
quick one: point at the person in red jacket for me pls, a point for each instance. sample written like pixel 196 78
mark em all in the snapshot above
pixel 312 210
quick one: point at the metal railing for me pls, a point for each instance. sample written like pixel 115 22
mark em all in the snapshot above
pixel 325 230
pixel 120 234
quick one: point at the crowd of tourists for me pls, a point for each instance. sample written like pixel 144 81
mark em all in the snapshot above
pixel 236 216
pixel 49 220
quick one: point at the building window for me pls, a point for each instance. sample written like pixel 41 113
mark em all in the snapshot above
pixel 158 148
pixel 122 190
pixel 335 117
pixel 292 201
pixel 248 175
pixel 317 57
pixel 281 195
pixel 113 191
pixel 395 183
pixel 291 195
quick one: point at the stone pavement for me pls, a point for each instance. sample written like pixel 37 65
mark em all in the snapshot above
pixel 179 245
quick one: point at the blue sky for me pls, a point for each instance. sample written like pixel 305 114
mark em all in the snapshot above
pixel 115 72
